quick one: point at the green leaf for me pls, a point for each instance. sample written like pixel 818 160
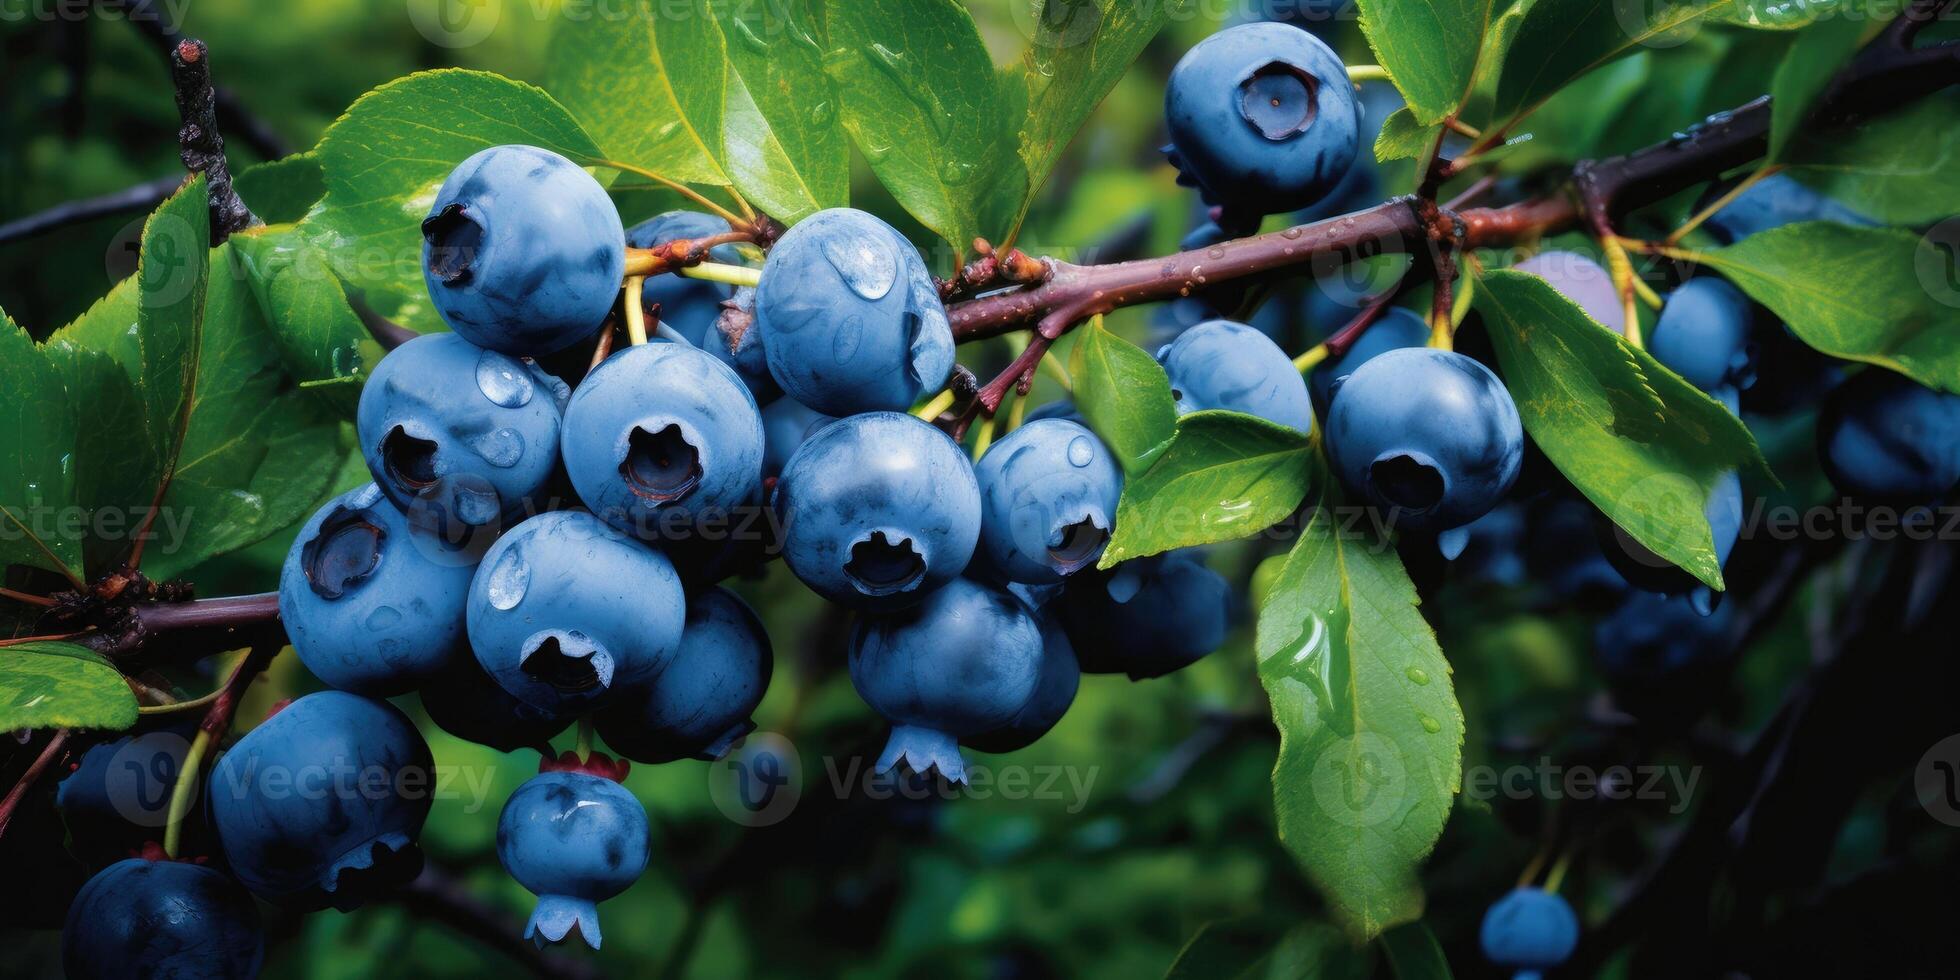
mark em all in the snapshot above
pixel 1643 445
pixel 1077 51
pixel 1123 394
pixel 786 150
pixel 1560 40
pixel 1402 138
pixel 1877 304
pixel 172 273
pixel 1429 47
pixel 646 78
pixel 1414 953
pixel 1900 168
pixel 1371 735
pixel 925 105
pixel 61 685
pixel 1779 15
pixel 1806 70
pixel 385 159
pixel 36 488
pixel 1256 949
pixel 282 191
pixel 1224 475
pixel 305 310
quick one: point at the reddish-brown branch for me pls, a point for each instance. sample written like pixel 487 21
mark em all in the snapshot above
pixel 35 771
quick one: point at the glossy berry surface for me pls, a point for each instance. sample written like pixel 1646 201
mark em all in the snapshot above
pixel 466 703
pixel 850 319
pixel 1220 364
pixel 314 807
pixel 1146 617
pixel 1772 202
pixel 573 840
pixel 1048 494
pixel 1884 438
pixel 700 704
pixel 161 919
pixel 1430 437
pixel 1398 327
pixel 522 251
pixel 1703 334
pixel 459 437
pixel 1262 118
pixel 1582 281
pixel 962 662
pixel 785 424
pixel 1056 681
pixel 370 604
pixel 564 610
pixel 1529 929
pixel 878 509
pixel 661 437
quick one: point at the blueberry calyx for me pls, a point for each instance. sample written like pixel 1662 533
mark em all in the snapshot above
pixel 409 460
pixel 1411 481
pixel 882 566
pixel 454 237
pixel 661 466
pixel 1277 100
pixel 596 764
pixel 1074 545
pixel 345 553
pixel 567 662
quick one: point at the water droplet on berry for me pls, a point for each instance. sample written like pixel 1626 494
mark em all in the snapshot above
pixel 503 380
pixel 844 345
pixel 868 265
pixel 383 618
pixel 500 447
pixel 476 506
pixel 1080 452
pixel 508 580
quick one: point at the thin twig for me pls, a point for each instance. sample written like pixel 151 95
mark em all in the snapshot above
pixel 141 197
pixel 49 753
pixel 200 144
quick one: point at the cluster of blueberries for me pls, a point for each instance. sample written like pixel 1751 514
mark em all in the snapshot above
pixel 529 553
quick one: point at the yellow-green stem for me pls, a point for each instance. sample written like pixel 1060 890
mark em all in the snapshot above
pixel 733 275
pixel 1311 359
pixel 937 407
pixel 184 791
pixel 636 314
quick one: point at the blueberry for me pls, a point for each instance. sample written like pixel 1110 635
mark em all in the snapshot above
pixel 1048 495
pixel 1884 438
pixel 1529 929
pixel 878 509
pixel 1262 118
pixel 690 306
pixel 459 437
pixel 1703 334
pixel 1772 202
pixel 564 610
pixel 142 918
pixel 1220 364
pixel 321 804
pixel 574 840
pixel 466 703
pixel 118 796
pixel 1397 328
pixel 661 437
pixel 1146 617
pixel 370 604
pixel 1582 281
pixel 1661 656
pixel 1057 679
pixel 522 251
pixel 963 662
pixel 1430 437
pixel 785 424
pixel 850 319
pixel 700 704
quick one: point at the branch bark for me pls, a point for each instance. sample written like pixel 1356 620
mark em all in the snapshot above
pixel 199 142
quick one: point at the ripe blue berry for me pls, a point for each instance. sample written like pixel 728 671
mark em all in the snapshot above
pixel 1884 438
pixel 1703 334
pixel 1661 655
pixel 161 919
pixel 850 319
pixel 522 251
pixel 574 840
pixel 1262 118
pixel 1529 929
pixel 370 604
pixel 785 424
pixel 457 436
pixel 1398 328
pixel 1057 679
pixel 1146 617
pixel 321 804
pixel 878 509
pixel 700 704
pixel 1430 437
pixel 963 662
pixel 1772 202
pixel 564 610
pixel 118 797
pixel 1220 364
pixel 1582 281
pixel 1048 495
pixel 466 703
pixel 661 437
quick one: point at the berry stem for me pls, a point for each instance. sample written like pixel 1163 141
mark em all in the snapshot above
pixel 35 770
pixel 1767 170
pixel 184 791
pixel 1311 359
pixel 636 314
pixel 937 406
pixel 1367 73
pixel 584 744
pixel 217 721
pixel 32 600
pixel 733 275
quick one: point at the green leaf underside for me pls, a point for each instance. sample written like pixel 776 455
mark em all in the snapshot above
pixel 785 147
pixel 925 105
pixel 172 276
pixel 1778 15
pixel 1414 953
pixel 282 191
pixel 1878 303
pixel 1560 40
pixel 646 79
pixel 1223 475
pixel 1806 70
pixel 1430 49
pixel 1402 137
pixel 1899 168
pixel 61 685
pixel 1643 445
pixel 1124 395
pixel 1371 735
pixel 304 309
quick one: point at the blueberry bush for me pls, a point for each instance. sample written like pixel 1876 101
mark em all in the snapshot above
pixel 1007 488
